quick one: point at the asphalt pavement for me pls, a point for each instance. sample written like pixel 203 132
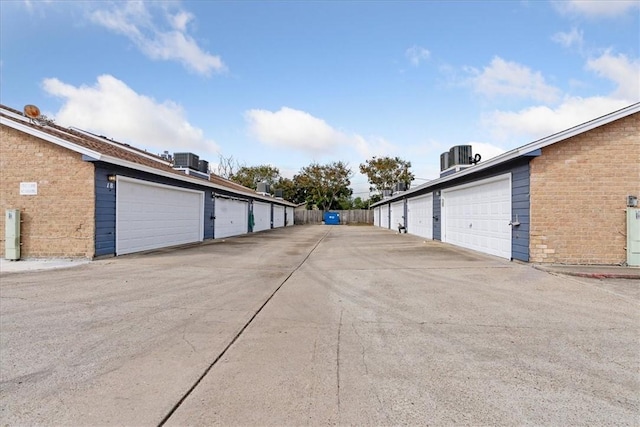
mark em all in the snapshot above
pixel 316 325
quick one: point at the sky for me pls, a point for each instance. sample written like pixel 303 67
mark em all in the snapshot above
pixel 288 83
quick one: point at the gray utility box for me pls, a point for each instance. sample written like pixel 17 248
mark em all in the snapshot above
pixel 12 234
pixel 633 237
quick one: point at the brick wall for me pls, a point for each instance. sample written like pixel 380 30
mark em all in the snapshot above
pixel 59 220
pixel 578 195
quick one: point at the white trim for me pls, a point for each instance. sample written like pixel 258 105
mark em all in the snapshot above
pixel 50 138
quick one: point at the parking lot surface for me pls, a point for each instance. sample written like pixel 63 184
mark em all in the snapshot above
pixel 316 325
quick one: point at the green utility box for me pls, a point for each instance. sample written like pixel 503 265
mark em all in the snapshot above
pixel 633 237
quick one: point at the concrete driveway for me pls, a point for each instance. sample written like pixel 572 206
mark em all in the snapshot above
pixel 317 325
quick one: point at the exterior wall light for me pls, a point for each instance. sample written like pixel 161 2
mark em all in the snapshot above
pixel 111 178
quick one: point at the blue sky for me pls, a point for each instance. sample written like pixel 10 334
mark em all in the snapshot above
pixel 291 82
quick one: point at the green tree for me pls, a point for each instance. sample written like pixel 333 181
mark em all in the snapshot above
pixel 358 203
pixel 324 185
pixel 250 176
pixel 384 172
pixel 290 191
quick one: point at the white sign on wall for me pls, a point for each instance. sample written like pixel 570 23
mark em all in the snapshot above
pixel 28 188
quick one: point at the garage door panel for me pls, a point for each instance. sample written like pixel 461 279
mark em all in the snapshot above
pixel 397 214
pixel 278 216
pixel 151 216
pixel 420 216
pixel 231 217
pixel 261 216
pixel 477 216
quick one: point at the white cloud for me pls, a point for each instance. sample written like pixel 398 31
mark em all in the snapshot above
pixel 573 38
pixel 112 108
pixel 133 20
pixel 486 151
pixel 416 54
pixel 596 9
pixel 540 121
pixel 290 128
pixel 625 73
pixel 510 79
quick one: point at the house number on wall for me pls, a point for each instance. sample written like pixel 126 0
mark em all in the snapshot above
pixel 111 185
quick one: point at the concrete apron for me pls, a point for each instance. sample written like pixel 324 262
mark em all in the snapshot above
pixel 316 325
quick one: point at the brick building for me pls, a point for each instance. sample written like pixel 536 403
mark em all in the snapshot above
pixel 82 195
pixel 561 199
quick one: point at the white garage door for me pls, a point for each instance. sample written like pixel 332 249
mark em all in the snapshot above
pixel 376 217
pixel 278 216
pixel 151 216
pixel 384 216
pixel 397 214
pixel 261 216
pixel 231 217
pixel 290 216
pixel 477 216
pixel 420 216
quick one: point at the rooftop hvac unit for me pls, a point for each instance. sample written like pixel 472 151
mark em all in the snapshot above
pixel 444 161
pixel 185 160
pixel 263 187
pixel 386 193
pixel 279 194
pixel 400 186
pixel 460 155
pixel 203 166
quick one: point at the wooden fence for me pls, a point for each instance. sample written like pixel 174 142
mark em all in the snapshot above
pixel 356 216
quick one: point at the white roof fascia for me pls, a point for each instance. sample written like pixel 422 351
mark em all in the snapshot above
pixel 520 151
pixel 185 178
pixel 50 138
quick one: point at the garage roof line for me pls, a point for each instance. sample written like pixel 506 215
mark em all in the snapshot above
pixel 94 148
pixel 530 149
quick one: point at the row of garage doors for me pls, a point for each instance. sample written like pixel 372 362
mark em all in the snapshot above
pixel 475 216
pixel 151 215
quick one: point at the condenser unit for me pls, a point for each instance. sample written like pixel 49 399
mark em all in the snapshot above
pixel 203 166
pixel 263 187
pixel 460 155
pixel 185 160
pixel 444 161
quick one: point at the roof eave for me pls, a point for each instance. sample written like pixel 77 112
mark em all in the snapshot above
pixel 524 150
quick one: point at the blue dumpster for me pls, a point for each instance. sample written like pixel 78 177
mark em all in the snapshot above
pixel 332 218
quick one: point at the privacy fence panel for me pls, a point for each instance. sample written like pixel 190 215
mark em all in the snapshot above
pixel 356 216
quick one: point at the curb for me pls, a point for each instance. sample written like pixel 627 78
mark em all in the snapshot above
pixel 593 275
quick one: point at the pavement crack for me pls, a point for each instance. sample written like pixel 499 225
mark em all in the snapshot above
pixel 184 338
pixel 240 332
pixel 364 359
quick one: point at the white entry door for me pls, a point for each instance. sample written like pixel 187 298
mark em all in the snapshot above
pixel 477 216
pixel 151 215
pixel 231 217
pixel 420 216
pixel 261 216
